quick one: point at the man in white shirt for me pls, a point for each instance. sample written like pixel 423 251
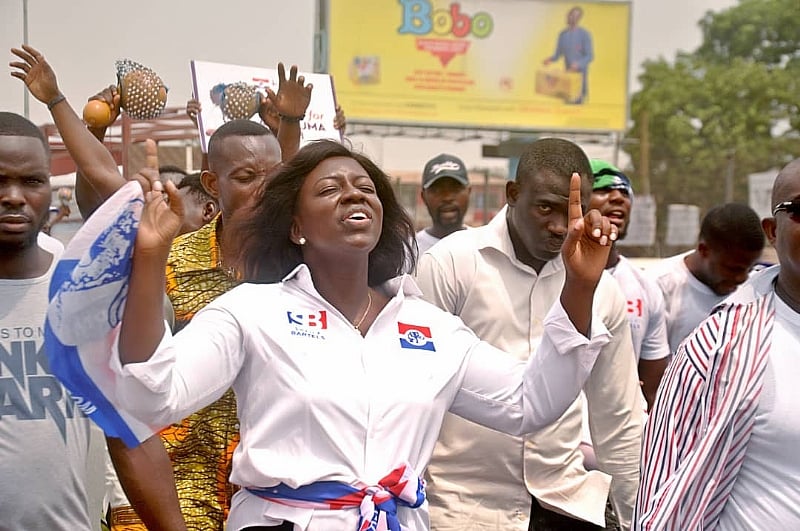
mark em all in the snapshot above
pixel 612 195
pixel 693 283
pixel 445 192
pixel 720 449
pixel 502 279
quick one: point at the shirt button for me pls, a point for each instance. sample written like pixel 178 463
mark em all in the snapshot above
pixel 519 515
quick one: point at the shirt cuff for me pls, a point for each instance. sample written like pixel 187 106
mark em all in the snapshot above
pixel 567 339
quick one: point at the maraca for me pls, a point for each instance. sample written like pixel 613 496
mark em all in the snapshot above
pixel 237 101
pixel 97 113
pixel 142 95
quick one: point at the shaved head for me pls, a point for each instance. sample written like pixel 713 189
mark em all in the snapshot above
pixel 787 176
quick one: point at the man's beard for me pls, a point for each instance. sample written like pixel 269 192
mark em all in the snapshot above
pixel 451 225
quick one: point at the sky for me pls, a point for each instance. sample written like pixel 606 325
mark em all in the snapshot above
pixel 166 35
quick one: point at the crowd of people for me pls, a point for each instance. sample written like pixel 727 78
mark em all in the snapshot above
pixel 313 362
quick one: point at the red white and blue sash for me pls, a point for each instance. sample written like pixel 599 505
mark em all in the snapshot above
pixel 377 504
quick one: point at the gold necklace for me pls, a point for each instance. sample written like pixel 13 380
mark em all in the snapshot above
pixel 366 311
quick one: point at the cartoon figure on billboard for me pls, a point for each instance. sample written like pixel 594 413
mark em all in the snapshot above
pixel 365 70
pixel 575 46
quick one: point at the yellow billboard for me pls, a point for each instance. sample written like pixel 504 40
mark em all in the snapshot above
pixel 502 64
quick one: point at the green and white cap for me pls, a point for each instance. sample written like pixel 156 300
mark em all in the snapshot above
pixel 609 177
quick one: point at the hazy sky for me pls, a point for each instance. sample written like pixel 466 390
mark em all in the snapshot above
pixel 82 38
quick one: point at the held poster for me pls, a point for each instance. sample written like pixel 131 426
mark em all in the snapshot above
pixel 227 91
pixel 528 65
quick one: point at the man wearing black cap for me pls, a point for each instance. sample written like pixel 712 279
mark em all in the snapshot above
pixel 445 192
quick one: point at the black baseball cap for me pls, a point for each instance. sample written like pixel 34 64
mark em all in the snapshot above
pixel 444 165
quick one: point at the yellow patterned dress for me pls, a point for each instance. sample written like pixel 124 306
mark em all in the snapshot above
pixel 200 447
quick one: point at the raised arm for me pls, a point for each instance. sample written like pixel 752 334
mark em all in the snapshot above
pixel 290 104
pixel 86 196
pixel 585 252
pixel 193 110
pixel 340 121
pixel 91 156
pixel 558 369
pixel 511 396
pixel 142 328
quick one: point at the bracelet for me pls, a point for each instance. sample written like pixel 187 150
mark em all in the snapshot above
pixel 55 101
pixel 287 118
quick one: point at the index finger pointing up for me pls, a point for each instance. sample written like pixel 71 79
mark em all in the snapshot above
pixel 575 209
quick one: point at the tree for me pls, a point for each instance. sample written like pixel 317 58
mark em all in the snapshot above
pixel 731 104
pixel 761 30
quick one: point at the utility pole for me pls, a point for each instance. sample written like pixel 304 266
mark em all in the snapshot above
pixel 485 215
pixel 644 151
pixel 26 111
pixel 729 175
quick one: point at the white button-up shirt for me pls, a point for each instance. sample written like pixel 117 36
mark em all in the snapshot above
pixel 317 401
pixel 481 479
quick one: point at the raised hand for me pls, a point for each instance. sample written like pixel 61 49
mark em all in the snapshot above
pixel 110 96
pixel 588 242
pixel 36 73
pixel 193 109
pixel 162 216
pixel 293 96
pixel 269 115
pixel 339 121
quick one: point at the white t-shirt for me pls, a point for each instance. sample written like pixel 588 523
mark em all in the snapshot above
pixel 646 312
pixel 425 240
pixel 687 300
pixel 44 438
pixel 317 401
pixel 766 494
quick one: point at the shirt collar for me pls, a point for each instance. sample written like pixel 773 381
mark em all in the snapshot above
pixel 400 287
pixel 495 236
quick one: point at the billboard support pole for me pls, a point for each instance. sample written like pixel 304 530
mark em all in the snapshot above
pixel 644 152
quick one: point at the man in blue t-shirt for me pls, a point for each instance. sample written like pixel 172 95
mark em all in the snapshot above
pixel 575 45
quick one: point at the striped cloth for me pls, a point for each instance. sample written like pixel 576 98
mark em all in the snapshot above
pixel 87 298
pixel 696 436
pixel 377 504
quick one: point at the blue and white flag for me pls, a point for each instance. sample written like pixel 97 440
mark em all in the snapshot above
pixel 87 298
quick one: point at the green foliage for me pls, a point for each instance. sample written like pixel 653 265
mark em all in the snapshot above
pixel 762 30
pixel 733 103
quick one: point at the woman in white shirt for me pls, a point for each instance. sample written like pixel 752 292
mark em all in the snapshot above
pixel 342 372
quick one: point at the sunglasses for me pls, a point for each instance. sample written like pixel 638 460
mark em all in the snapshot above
pixel 790 207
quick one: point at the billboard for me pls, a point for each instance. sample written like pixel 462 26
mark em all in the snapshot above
pixel 503 64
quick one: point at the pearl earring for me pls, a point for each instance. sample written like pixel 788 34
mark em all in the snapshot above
pixel 302 240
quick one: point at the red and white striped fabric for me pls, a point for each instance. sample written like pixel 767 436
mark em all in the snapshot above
pixel 697 433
